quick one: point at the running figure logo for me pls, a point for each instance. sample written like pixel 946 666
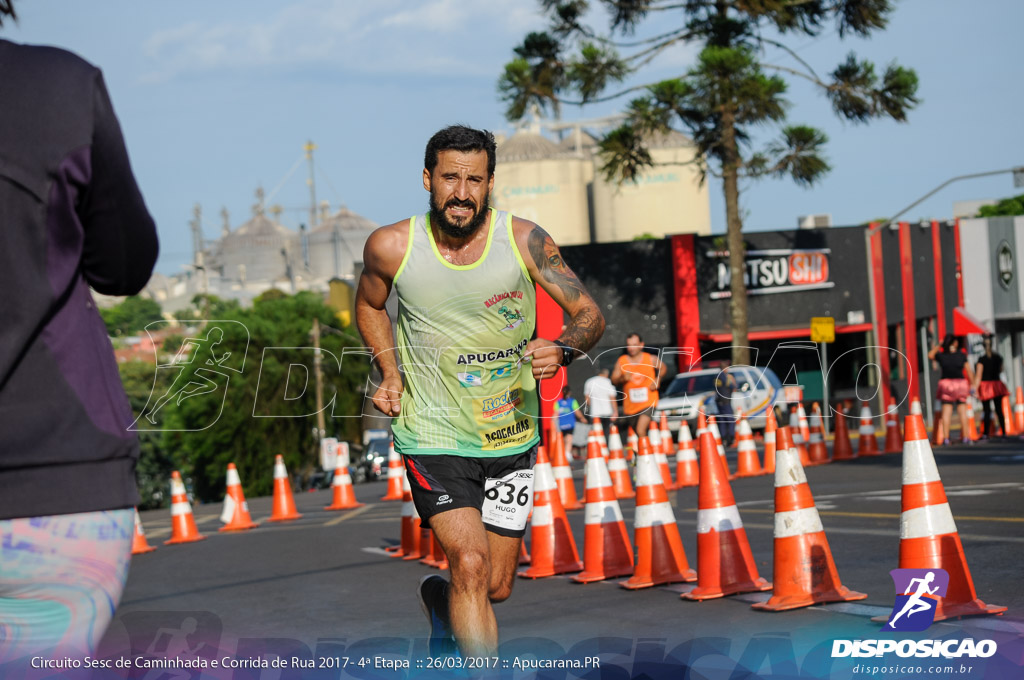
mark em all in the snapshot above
pixel 200 366
pixel 917 595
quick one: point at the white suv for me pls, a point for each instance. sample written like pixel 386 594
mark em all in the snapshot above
pixel 758 389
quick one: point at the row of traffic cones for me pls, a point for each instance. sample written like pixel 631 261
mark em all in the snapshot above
pixel 235 515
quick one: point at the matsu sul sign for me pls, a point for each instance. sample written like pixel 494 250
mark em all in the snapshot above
pixel 775 271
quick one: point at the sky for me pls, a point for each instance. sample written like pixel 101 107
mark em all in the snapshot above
pixel 217 98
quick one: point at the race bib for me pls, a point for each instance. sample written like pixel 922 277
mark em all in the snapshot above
pixel 508 500
pixel 638 395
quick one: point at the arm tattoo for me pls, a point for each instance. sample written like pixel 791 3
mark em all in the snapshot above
pixel 551 266
pixel 587 324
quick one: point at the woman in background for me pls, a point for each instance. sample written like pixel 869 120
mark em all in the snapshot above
pixel 954 387
pixel 991 388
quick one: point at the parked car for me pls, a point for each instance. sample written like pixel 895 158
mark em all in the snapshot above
pixel 372 463
pixel 758 389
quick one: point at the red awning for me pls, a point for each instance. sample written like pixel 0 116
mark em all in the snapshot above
pixel 965 324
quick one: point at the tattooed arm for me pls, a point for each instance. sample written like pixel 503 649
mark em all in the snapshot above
pixel 544 262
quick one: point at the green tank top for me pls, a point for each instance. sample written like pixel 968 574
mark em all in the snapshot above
pixel 461 332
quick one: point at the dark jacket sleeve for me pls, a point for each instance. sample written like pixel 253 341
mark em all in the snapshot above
pixel 120 246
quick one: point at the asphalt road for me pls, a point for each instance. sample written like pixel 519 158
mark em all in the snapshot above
pixel 321 586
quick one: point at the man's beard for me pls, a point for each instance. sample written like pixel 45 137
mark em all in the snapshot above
pixel 438 217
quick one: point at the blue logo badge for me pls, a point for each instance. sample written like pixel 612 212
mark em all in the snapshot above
pixel 917 596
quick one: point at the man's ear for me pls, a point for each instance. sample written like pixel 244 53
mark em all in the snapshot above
pixel 427 183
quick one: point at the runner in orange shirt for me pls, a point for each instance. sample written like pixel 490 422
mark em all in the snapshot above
pixel 638 374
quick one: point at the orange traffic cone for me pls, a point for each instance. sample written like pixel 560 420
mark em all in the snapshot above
pixel 341 485
pixel 563 475
pixel 666 437
pixel 972 426
pixel 284 502
pixel 939 433
pixel 632 443
pixel 235 514
pixel 183 524
pixel 435 555
pixel 686 459
pixel 771 426
pixel 817 452
pixel 798 438
pixel 1011 428
pixel 747 462
pixel 553 550
pixel 805 430
pixel 395 472
pixel 660 557
pixel 139 543
pixel 804 571
pixel 893 438
pixel 607 551
pixel 915 407
pixel 619 474
pixel 725 564
pixel 598 431
pixel 1018 411
pixel 654 441
pixel 410 526
pixel 868 445
pixel 615 443
pixel 841 447
pixel 425 540
pixel 928 534
pixel 717 436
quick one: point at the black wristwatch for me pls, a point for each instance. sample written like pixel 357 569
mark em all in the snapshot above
pixel 568 353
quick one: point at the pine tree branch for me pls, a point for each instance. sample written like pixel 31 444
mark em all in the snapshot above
pixel 791 53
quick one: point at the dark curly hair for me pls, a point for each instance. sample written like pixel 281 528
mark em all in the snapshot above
pixel 459 138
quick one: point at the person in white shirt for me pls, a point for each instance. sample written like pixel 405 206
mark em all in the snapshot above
pixel 600 395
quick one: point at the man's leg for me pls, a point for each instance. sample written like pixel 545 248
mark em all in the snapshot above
pixel 504 560
pixel 461 533
pixel 642 422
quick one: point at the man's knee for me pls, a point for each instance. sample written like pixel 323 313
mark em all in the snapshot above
pixel 470 569
pixel 501 591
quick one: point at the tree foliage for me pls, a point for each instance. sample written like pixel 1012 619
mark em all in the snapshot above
pixel 729 92
pixel 130 316
pixel 1005 207
pixel 258 409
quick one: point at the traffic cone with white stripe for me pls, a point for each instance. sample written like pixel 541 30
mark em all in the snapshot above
pixel 552 548
pixel 747 462
pixel 434 556
pixel 660 557
pixel 598 431
pixel 409 547
pixel 667 444
pixel 615 442
pixel 771 426
pixel 805 430
pixel 183 524
pixel 619 473
pixel 804 572
pixel 868 445
pixel 972 426
pixel 607 551
pixel 1018 411
pixel 341 485
pixel 725 564
pixel 139 543
pixel 717 436
pixel 563 474
pixel 893 438
pixel 928 534
pixel 632 443
pixel 798 438
pixel 687 472
pixel 395 473
pixel 235 514
pixel 817 452
pixel 841 447
pixel 284 503
pixel 654 440
pixel 915 407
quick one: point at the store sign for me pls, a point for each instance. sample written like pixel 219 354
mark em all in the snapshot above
pixel 775 271
pixel 1004 258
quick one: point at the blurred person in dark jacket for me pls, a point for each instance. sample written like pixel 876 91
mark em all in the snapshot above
pixel 71 217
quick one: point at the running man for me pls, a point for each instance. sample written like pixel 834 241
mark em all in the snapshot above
pixel 916 604
pixel 638 374
pixel 464 275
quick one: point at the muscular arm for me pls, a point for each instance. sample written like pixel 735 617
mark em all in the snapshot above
pixel 382 256
pixel 546 266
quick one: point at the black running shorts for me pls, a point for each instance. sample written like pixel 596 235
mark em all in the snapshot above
pixel 442 482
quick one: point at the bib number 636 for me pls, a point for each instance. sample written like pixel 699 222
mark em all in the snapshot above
pixel 508 500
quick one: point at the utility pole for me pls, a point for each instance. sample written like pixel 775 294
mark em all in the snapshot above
pixel 321 426
pixel 310 147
